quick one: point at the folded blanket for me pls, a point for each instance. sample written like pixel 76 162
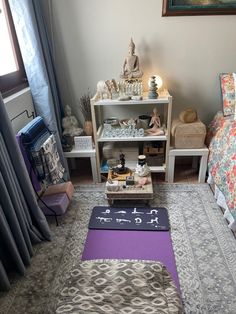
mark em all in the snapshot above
pixel 46 161
pixel 118 286
pixel 51 160
pixel 41 149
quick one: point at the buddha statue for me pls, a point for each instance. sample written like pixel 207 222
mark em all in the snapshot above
pixel 131 64
pixel 70 124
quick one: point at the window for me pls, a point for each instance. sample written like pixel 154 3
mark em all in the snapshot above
pixel 12 72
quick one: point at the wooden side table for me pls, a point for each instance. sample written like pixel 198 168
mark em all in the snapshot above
pixel 144 193
pixel 202 152
pixel 75 153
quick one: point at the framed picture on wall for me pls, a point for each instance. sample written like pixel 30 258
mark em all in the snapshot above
pixel 198 7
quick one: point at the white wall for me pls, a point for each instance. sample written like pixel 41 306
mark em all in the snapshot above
pixel 91 41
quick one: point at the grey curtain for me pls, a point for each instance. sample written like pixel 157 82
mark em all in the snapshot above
pixel 36 53
pixel 22 222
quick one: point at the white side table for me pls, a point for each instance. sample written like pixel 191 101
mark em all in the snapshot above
pixel 202 152
pixel 75 153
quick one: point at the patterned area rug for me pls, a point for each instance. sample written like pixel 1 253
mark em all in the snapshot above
pixel 205 252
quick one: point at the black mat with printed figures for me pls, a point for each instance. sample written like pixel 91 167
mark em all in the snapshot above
pixel 129 218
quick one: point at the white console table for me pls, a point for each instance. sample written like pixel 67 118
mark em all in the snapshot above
pixel 75 153
pixel 201 152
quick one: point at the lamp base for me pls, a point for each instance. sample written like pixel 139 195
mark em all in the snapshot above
pixel 152 95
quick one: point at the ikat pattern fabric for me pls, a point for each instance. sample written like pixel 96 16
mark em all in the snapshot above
pixel 116 286
pixel 53 166
pixel 46 161
pixel 222 157
pixel 228 93
pixel 36 157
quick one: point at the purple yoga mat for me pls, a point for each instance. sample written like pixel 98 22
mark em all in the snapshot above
pixel 124 244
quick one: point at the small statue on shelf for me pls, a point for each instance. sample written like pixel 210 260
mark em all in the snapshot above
pixel 121 169
pixel 122 161
pixel 155 124
pixel 131 64
pixel 70 124
pixel 155 119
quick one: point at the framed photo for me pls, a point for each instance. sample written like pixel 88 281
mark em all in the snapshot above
pixel 198 7
pixel 83 143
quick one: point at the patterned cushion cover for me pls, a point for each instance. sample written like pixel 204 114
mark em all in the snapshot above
pixel 228 93
pixel 119 286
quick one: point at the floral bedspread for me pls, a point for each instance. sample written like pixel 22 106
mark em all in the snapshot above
pixel 222 157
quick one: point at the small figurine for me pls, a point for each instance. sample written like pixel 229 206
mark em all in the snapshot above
pixel 70 124
pixel 155 124
pixel 155 119
pixel 121 169
pixel 122 162
pixel 131 64
pixel 106 88
pixel 103 90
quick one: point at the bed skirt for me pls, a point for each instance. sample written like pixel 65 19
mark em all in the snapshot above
pixel 220 200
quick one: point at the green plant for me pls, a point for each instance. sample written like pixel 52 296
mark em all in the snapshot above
pixel 85 106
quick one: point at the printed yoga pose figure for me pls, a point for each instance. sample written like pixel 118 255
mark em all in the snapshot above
pixel 155 124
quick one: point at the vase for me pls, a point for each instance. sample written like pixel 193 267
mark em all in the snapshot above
pixel 88 128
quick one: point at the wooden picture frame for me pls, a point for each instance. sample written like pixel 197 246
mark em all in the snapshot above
pixel 200 7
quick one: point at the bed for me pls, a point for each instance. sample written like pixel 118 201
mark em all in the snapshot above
pixel 221 139
pixel 222 164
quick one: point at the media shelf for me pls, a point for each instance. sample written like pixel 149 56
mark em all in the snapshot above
pixel 163 103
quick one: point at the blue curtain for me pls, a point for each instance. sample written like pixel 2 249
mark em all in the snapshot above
pixel 22 222
pixel 36 53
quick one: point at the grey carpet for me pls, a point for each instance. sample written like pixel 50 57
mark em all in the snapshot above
pixel 205 251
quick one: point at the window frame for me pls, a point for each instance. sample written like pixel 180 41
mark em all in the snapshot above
pixel 13 82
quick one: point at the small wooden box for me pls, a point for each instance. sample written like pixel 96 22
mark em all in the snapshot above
pixel 149 150
pixel 129 180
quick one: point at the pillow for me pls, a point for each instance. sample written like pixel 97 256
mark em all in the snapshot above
pixel 234 75
pixel 228 93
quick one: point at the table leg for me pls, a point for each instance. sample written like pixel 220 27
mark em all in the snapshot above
pixel 72 163
pixel 171 169
pixel 195 162
pixel 94 169
pixel 202 170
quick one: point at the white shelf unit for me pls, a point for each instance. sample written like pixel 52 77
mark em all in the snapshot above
pixel 164 102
